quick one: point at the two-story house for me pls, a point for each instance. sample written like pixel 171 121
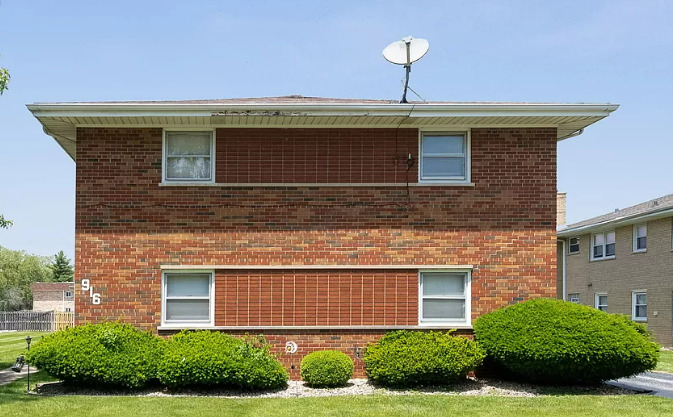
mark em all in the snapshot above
pixel 622 262
pixel 323 222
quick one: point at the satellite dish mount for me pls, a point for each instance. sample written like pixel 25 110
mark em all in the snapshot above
pixel 406 52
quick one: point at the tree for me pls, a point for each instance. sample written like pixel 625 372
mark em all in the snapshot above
pixel 18 270
pixel 5 224
pixel 61 268
pixel 4 79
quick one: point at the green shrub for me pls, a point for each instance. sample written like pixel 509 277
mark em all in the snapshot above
pixel 209 359
pixel 326 368
pixel 111 354
pixel 405 358
pixel 557 342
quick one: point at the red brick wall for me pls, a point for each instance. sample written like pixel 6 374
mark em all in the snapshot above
pixel 315 155
pixel 127 225
pixel 316 297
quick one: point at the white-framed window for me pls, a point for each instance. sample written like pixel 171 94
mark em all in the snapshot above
pixel 68 294
pixel 640 238
pixel 573 245
pixel 188 156
pixel 574 298
pixel 639 305
pixel 601 302
pixel 444 157
pixel 187 298
pixel 444 297
pixel 603 246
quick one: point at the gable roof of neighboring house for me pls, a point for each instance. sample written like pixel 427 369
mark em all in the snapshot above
pixel 53 286
pixel 653 209
pixel 61 120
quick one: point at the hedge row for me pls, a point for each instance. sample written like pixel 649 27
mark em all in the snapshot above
pixel 545 341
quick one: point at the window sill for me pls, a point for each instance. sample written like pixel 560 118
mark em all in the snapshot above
pixel 368 327
pixel 607 258
pixel 573 253
pixel 640 251
pixel 639 320
pixel 316 184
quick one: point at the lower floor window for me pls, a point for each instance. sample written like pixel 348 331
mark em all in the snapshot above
pixel 639 305
pixel 574 298
pixel 444 298
pixel 187 298
pixel 602 302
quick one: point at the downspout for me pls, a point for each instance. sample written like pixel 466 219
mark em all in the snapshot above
pixel 563 266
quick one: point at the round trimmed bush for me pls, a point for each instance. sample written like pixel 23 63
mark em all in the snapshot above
pixel 411 358
pixel 558 342
pixel 326 368
pixel 110 354
pixel 209 359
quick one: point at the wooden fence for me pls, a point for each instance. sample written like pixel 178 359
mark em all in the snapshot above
pixel 45 321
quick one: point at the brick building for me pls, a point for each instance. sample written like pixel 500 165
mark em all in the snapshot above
pixel 53 296
pixel 325 222
pixel 622 262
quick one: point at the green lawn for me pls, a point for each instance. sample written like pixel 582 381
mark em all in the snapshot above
pixel 665 361
pixel 14 402
pixel 13 344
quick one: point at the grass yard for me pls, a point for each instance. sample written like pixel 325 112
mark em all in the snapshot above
pixel 665 361
pixel 13 344
pixel 14 402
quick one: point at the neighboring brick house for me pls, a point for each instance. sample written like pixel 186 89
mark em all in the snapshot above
pixel 622 262
pixel 326 222
pixel 53 296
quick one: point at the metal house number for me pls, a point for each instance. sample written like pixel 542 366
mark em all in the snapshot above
pixel 86 286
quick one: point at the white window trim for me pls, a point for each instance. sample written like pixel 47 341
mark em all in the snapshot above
pixel 578 243
pixel 213 139
pixel 605 240
pixel 634 293
pixel 189 323
pixel 570 297
pixel 468 157
pixel 635 238
pixel 468 299
pixel 597 300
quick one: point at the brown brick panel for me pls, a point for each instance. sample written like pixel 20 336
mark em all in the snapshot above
pixel 291 297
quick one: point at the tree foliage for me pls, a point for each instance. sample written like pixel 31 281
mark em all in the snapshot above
pixel 63 271
pixel 18 270
pixel 4 79
pixel 4 223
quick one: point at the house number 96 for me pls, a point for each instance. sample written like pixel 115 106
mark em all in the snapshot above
pixel 86 286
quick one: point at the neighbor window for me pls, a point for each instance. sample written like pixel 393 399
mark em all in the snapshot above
pixel 187 298
pixel 602 302
pixel 444 298
pixel 639 305
pixel 574 298
pixel 603 246
pixel 189 156
pixel 68 294
pixel 640 238
pixel 573 245
pixel 444 157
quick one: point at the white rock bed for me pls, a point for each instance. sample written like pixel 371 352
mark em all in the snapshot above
pixel 297 389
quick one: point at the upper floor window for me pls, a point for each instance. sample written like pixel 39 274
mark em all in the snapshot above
pixel 640 238
pixel 68 294
pixel 444 298
pixel 574 298
pixel 603 246
pixel 188 156
pixel 573 245
pixel 444 157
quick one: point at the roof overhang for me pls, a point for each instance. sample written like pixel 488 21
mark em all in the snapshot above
pixel 614 223
pixel 61 120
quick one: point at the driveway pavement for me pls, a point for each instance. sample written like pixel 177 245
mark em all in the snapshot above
pixel 653 383
pixel 7 375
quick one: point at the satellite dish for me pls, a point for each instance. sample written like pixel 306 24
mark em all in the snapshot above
pixel 406 52
pixel 396 52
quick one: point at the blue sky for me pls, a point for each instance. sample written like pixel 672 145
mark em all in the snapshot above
pixel 534 51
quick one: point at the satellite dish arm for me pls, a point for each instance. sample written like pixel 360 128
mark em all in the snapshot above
pixel 408 70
